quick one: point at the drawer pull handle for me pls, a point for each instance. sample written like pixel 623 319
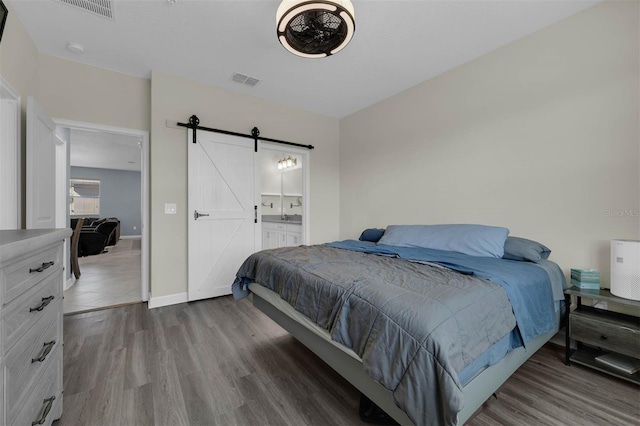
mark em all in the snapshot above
pixel 47 408
pixel 47 348
pixel 604 337
pixel 44 266
pixel 43 304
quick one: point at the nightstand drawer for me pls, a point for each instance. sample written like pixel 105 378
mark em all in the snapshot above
pixel 604 331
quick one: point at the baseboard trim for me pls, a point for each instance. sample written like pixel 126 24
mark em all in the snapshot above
pixel 170 299
pixel 69 283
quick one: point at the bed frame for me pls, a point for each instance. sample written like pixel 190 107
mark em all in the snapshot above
pixel 476 392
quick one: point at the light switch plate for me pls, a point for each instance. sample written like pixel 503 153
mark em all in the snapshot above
pixel 170 208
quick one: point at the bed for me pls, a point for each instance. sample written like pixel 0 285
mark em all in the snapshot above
pixel 427 334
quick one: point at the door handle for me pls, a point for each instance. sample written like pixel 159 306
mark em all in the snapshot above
pixel 196 215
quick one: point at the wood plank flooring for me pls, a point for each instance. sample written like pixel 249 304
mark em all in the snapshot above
pixel 107 279
pixel 222 362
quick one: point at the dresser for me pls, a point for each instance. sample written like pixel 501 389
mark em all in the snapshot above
pixel 31 282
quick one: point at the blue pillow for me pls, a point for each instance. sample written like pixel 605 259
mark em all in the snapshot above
pixel 372 234
pixel 473 240
pixel 516 248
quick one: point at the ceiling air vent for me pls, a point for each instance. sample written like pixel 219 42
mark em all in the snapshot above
pixel 103 8
pixel 244 79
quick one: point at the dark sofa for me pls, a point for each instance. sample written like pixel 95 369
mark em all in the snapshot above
pixel 96 234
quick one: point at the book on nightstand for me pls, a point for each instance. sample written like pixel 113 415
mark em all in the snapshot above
pixel 587 279
pixel 620 362
pixel 584 285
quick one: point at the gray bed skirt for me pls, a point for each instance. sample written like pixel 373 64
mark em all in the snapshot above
pixel 349 366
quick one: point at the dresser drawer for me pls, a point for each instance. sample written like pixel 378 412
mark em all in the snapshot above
pixel 22 274
pixel 26 362
pixel 616 333
pixel 46 399
pixel 18 317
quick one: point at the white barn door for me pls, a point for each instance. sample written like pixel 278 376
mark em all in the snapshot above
pixel 41 168
pixel 223 230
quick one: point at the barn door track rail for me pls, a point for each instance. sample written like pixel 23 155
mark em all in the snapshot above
pixel 194 122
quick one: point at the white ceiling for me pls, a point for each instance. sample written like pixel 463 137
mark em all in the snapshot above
pixel 397 44
pixel 104 150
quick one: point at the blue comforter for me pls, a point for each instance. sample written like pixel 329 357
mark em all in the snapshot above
pixel 527 285
pixel 407 312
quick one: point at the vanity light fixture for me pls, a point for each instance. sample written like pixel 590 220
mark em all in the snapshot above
pixel 287 163
pixel 316 28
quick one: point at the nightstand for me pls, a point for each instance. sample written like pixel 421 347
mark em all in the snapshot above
pixel 598 331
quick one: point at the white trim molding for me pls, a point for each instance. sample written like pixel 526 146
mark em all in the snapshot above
pixel 305 163
pixel 10 157
pixel 69 282
pixel 144 183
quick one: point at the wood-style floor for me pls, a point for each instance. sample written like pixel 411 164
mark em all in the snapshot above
pixel 222 362
pixel 107 279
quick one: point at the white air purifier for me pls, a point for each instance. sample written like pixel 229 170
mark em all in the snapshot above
pixel 625 269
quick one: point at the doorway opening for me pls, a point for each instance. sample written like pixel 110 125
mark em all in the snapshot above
pixel 107 185
pixel 284 196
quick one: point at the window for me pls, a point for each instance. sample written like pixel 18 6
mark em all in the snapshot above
pixel 84 197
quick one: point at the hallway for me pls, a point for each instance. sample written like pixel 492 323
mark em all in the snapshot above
pixel 108 279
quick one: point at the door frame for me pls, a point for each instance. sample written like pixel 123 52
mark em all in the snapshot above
pixel 40 190
pixel 62 200
pixel 304 156
pixel 15 148
pixel 144 176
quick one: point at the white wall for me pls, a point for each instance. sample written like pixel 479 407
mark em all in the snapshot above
pixel 18 57
pixel 176 99
pixel 19 67
pixel 79 92
pixel 540 136
pixel 70 90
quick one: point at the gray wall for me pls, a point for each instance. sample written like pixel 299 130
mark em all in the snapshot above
pixel 119 195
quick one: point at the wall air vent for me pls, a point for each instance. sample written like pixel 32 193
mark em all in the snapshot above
pixel 103 8
pixel 244 79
